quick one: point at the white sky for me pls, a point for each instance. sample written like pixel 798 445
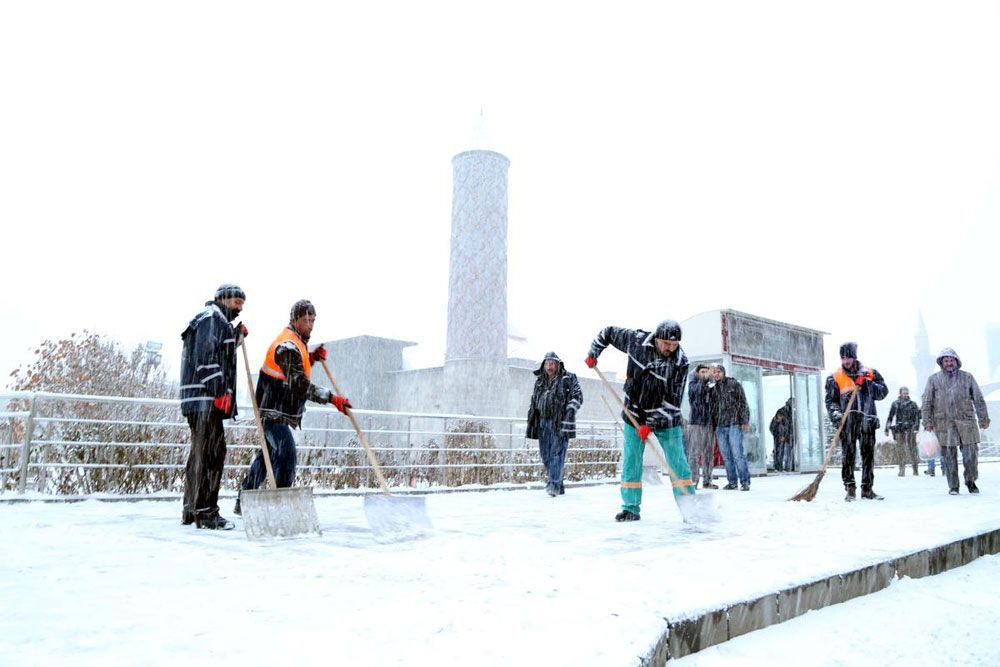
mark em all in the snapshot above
pixel 835 165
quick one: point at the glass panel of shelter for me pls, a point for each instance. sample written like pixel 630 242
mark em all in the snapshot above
pixel 777 389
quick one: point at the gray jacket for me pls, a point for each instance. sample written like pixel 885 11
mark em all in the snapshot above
pixel 951 403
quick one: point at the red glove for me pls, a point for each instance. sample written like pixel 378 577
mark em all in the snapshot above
pixel 340 403
pixel 241 333
pixel 860 380
pixel 224 403
pixel 591 362
pixel 319 354
pixel 644 432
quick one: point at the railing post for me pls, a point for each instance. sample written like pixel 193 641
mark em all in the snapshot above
pixel 409 450
pixel 29 431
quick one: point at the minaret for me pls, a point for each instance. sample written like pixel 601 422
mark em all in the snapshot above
pixel 476 373
pixel 923 360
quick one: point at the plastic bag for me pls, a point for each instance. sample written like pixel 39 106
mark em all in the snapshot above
pixel 928 444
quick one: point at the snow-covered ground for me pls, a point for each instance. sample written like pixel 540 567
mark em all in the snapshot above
pixel 506 576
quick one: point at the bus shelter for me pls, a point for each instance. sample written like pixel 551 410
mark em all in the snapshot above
pixel 773 361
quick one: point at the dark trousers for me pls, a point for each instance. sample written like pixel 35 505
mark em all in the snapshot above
pixel 203 474
pixel 866 440
pixel 970 462
pixel 281 447
pixel 552 445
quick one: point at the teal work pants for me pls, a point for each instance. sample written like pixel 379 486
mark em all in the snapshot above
pixel 673 448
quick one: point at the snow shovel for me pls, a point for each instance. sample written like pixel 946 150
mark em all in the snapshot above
pixel 386 513
pixel 650 475
pixel 808 493
pixel 274 512
pixel 694 508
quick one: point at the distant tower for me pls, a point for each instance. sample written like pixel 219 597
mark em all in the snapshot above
pixel 476 374
pixel 923 360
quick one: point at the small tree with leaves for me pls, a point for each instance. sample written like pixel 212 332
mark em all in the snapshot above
pixel 82 433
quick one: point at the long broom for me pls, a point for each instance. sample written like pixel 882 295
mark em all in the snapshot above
pixel 808 493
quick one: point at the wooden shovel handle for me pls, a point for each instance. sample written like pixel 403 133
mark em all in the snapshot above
pixel 361 436
pixel 658 450
pixel 256 415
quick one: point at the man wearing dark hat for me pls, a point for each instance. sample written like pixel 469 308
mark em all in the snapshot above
pixel 862 422
pixel 654 388
pixel 552 417
pixel 208 391
pixel 954 408
pixel 283 387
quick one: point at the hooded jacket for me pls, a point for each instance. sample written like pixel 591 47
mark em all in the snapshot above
pixel 863 413
pixel 781 424
pixel 951 404
pixel 208 361
pixel 654 384
pixel 563 395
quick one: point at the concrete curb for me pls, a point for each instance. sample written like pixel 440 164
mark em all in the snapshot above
pixel 690 635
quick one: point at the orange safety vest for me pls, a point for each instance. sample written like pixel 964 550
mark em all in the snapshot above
pixel 271 367
pixel 845 381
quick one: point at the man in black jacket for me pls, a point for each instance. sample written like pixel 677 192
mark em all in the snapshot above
pixel 552 417
pixel 783 433
pixel 731 416
pixel 208 390
pixel 862 421
pixel 283 387
pixel 907 416
pixel 654 387
pixel 701 435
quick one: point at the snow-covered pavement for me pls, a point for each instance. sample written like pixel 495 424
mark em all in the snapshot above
pixel 506 576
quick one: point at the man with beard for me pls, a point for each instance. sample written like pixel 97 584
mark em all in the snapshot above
pixel 283 387
pixel 862 421
pixel 952 402
pixel 208 390
pixel 552 417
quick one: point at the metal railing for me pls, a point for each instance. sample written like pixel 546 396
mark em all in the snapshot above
pixel 69 444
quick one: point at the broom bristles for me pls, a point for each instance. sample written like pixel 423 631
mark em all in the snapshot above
pixel 808 493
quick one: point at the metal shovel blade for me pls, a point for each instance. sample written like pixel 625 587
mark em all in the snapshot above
pixel 397 514
pixel 270 513
pixel 698 508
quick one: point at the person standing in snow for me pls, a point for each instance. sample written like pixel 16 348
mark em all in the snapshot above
pixel 907 416
pixel 862 422
pixel 654 387
pixel 783 433
pixel 208 391
pixel 951 405
pixel 731 417
pixel 701 437
pixel 283 386
pixel 552 417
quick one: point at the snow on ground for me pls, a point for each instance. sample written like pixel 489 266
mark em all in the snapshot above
pixel 506 576
pixel 948 619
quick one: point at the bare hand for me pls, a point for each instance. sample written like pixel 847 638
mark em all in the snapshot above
pixel 746 428
pixel 929 429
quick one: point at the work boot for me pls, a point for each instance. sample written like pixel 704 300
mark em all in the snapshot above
pixel 552 489
pixel 709 485
pixel 215 523
pixel 729 487
pixel 851 495
pixel 625 515
pixel 237 510
pixel 745 487
pixel 929 472
pixel 915 472
pixel 562 489
pixel 869 494
pixel 953 492
pixel 973 488
pixel 902 472
pixel 187 519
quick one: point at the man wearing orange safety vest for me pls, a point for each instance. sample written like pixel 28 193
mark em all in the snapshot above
pixel 862 421
pixel 283 387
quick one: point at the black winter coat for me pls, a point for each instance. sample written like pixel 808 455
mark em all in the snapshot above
pixel 781 425
pixel 701 409
pixel 567 399
pixel 654 384
pixel 907 415
pixel 863 413
pixel 208 361
pixel 729 403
